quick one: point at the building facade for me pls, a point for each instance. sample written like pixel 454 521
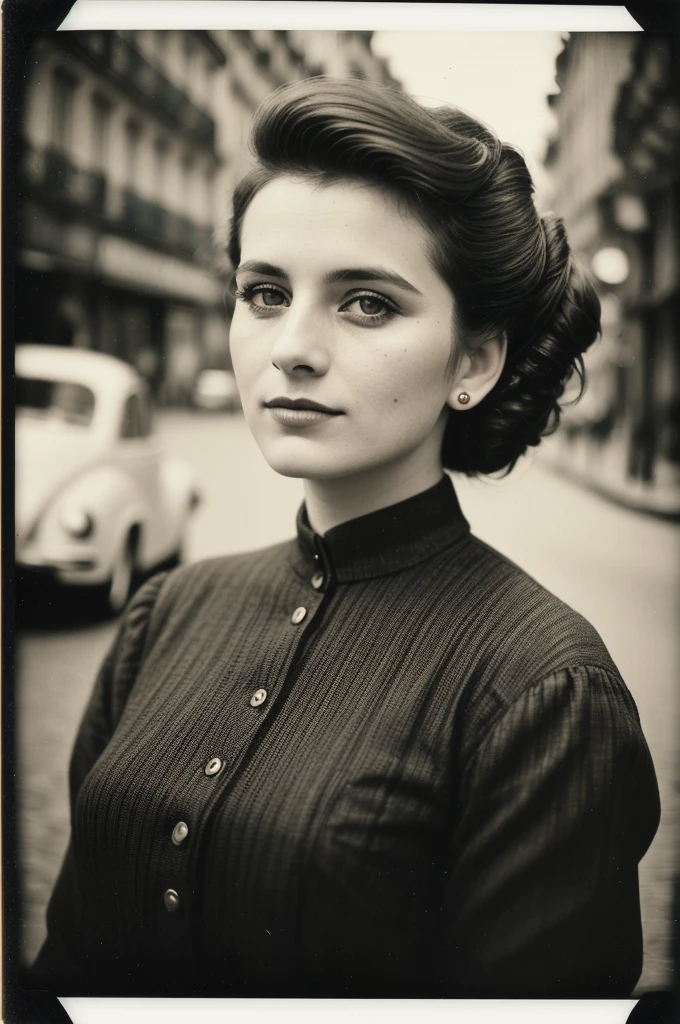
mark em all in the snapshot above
pixel 644 205
pixel 132 144
pixel 614 165
pixel 119 165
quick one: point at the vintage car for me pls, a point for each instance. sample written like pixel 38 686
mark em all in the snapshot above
pixel 98 501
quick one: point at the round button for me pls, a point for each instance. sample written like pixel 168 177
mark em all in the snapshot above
pixel 171 900
pixel 259 697
pixel 213 766
pixel 180 832
pixel 317 580
pixel 298 615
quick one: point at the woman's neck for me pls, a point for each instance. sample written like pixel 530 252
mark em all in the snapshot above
pixel 330 502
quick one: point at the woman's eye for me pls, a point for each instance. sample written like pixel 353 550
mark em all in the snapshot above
pixel 266 297
pixel 370 306
pixel 262 297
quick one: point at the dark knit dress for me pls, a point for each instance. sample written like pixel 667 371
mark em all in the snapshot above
pixel 385 762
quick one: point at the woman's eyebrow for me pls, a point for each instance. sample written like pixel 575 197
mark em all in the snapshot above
pixel 258 267
pixel 370 274
pixel 333 276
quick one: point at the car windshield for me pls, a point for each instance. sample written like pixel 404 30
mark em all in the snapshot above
pixel 59 400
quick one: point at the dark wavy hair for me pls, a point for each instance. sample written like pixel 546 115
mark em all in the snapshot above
pixel 508 268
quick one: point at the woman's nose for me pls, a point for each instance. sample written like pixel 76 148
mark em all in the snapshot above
pixel 298 347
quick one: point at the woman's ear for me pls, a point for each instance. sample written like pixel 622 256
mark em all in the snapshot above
pixel 480 367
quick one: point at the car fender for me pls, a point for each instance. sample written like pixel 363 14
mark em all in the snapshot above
pixel 111 498
pixel 179 492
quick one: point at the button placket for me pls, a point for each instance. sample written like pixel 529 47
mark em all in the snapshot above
pixel 172 899
pixel 183 841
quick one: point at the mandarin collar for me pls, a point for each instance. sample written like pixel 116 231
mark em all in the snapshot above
pixel 385 541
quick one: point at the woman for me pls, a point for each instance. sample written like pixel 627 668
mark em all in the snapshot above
pixel 378 760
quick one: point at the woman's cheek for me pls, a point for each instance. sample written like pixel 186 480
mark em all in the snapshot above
pixel 389 375
pixel 243 357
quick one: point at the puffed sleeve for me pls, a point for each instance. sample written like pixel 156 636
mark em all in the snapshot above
pixel 559 803
pixel 58 965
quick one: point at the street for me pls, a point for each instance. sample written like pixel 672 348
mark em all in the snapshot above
pixel 616 567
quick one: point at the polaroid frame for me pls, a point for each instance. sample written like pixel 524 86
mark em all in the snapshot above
pixel 23 1005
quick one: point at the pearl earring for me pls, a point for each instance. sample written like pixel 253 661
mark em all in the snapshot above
pixel 463 398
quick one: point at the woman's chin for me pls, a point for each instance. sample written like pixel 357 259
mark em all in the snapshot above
pixel 288 469
pixel 304 468
pixel 301 470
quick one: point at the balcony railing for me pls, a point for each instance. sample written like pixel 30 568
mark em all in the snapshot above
pixel 49 176
pixel 153 222
pixel 113 53
pixel 51 171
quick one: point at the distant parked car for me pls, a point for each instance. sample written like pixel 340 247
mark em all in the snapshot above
pixel 98 502
pixel 216 390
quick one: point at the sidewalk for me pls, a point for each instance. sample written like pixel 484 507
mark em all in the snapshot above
pixel 604 471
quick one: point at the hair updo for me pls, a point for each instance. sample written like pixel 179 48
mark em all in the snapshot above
pixel 508 269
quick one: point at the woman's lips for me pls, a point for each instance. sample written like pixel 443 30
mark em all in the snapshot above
pixel 299 417
pixel 299 412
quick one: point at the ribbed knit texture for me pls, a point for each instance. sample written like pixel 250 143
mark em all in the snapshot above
pixel 445 792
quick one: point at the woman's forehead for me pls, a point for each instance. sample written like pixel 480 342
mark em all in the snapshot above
pixel 296 218
pixel 333 191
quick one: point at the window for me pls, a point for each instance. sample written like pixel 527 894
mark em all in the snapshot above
pixel 136 420
pixel 160 160
pixel 101 120
pixel 145 415
pixel 63 95
pixel 63 401
pixel 209 195
pixel 132 134
pixel 188 170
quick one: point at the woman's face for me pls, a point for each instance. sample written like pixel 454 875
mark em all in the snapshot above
pixel 340 306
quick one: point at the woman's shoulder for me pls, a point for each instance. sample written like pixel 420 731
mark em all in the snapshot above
pixel 221 570
pixel 522 635
pixel 210 582
pixel 521 617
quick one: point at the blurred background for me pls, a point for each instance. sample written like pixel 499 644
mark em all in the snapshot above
pixel 132 142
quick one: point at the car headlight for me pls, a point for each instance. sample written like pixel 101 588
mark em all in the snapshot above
pixel 77 522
